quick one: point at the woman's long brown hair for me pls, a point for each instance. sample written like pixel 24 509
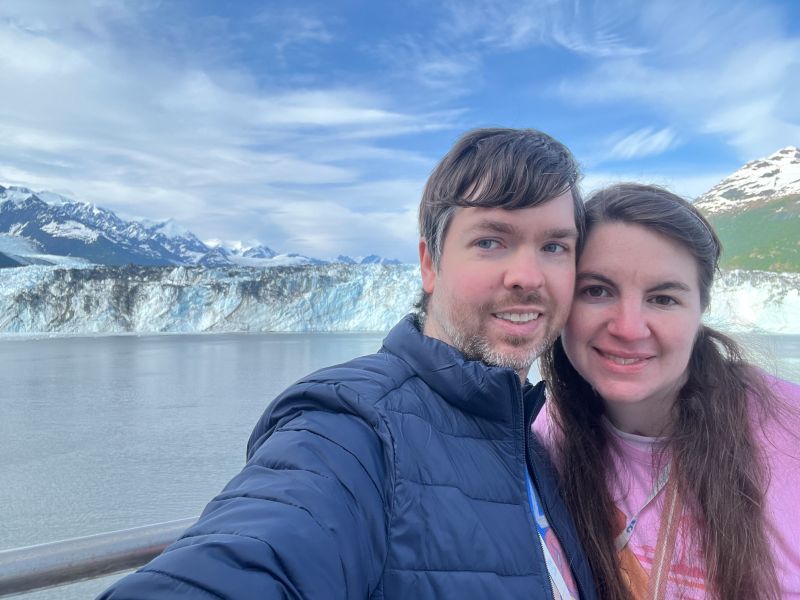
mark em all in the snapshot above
pixel 719 466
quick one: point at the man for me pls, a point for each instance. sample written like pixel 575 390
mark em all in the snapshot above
pixel 413 473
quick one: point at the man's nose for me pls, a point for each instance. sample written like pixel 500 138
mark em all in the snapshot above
pixel 629 321
pixel 523 271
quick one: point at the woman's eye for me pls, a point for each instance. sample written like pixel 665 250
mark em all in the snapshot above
pixel 664 300
pixel 486 244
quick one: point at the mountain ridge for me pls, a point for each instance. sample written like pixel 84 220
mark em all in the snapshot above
pixel 756 213
pixel 62 227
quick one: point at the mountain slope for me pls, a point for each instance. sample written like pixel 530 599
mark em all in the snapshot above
pixel 46 228
pixel 756 213
pixel 64 227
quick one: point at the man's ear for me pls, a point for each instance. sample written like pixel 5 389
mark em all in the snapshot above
pixel 426 267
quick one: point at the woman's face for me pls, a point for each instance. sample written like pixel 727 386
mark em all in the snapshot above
pixel 634 319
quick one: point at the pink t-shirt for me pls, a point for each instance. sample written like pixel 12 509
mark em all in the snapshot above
pixel 636 476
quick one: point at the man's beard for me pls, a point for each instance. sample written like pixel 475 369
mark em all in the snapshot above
pixel 475 345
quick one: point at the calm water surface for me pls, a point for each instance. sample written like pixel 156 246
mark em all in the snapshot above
pixel 106 433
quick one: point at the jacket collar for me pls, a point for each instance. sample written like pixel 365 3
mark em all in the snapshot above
pixel 473 387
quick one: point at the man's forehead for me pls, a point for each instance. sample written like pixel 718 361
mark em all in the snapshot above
pixel 473 216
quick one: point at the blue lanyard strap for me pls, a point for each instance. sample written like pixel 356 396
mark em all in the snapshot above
pixel 560 588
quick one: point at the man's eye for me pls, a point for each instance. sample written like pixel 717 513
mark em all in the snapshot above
pixel 555 248
pixel 595 291
pixel 486 244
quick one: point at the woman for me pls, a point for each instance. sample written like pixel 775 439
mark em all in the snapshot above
pixel 677 458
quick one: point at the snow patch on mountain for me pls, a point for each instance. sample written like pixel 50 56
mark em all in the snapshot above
pixel 169 228
pixel 27 252
pixel 54 199
pixel 71 229
pixel 15 194
pixel 12 244
pixel 771 177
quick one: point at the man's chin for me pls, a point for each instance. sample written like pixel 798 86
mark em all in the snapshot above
pixel 519 358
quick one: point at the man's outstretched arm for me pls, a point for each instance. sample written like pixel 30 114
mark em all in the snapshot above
pixel 305 518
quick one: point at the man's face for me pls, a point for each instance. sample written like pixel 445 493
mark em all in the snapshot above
pixel 505 281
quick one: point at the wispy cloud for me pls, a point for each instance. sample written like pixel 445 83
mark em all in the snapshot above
pixel 643 142
pixel 287 26
pixel 731 75
pixel 589 28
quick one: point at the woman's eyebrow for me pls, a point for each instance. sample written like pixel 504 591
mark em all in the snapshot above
pixel 589 275
pixel 668 286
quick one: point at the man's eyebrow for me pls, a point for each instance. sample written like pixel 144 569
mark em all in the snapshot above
pixel 495 226
pixel 507 228
pixel 561 233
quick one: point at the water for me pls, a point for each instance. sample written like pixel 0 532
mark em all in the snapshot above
pixel 106 433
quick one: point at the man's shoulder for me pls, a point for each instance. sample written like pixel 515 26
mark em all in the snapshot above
pixel 370 377
pixel 353 389
pixel 376 373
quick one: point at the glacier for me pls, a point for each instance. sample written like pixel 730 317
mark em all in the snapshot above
pixel 134 299
pixel 52 300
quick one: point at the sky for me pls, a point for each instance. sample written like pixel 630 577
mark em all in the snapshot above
pixel 311 127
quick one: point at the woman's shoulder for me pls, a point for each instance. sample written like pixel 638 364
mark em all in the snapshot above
pixel 543 427
pixel 787 393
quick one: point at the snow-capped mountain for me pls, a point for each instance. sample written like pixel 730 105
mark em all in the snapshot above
pixel 53 229
pixel 771 177
pixel 315 298
pixel 756 213
pixel 256 255
pixel 372 259
pixel 63 227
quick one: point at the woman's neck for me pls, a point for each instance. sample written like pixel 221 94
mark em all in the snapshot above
pixel 641 418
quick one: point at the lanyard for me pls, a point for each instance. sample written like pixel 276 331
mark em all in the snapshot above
pixel 665 546
pixel 625 535
pixel 556 578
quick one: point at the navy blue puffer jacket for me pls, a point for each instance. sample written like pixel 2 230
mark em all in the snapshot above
pixel 397 475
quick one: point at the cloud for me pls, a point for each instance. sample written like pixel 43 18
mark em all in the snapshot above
pixel 288 26
pixel 687 186
pixel 48 16
pixel 694 75
pixel 643 142
pixel 431 62
pixel 581 27
pixel 161 134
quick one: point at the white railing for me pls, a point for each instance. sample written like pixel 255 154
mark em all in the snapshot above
pixel 69 561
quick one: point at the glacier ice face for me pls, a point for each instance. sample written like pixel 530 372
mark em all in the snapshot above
pixel 310 298
pixel 756 301
pixel 319 298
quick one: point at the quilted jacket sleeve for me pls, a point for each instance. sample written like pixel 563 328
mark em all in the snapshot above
pixel 305 518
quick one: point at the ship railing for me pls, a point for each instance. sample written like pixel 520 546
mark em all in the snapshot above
pixel 79 559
